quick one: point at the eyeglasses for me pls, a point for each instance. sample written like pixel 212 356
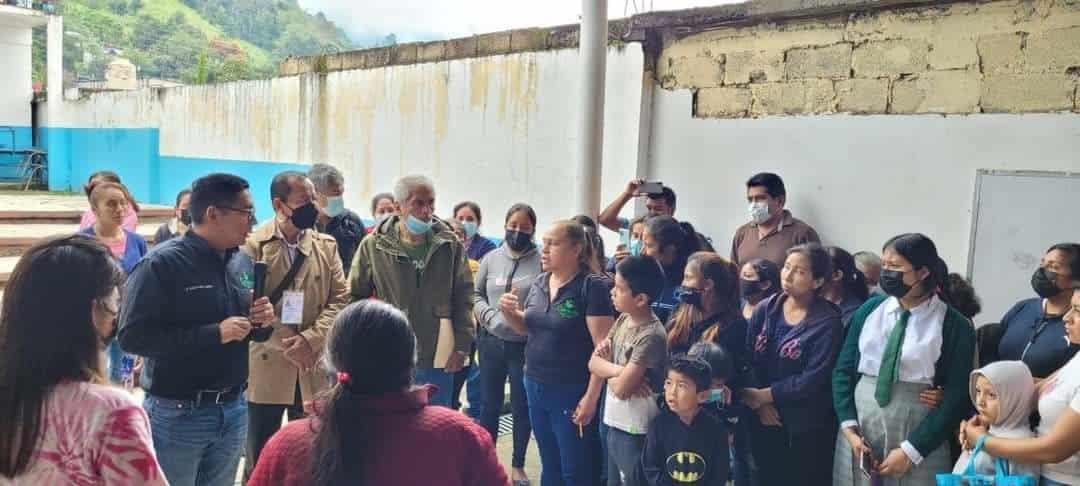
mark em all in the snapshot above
pixel 250 211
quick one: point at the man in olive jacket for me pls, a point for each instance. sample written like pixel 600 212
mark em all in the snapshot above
pixel 414 262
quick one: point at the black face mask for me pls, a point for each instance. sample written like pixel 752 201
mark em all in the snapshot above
pixel 518 241
pixel 689 296
pixel 892 283
pixel 1045 283
pixel 304 216
pixel 749 288
pixel 185 217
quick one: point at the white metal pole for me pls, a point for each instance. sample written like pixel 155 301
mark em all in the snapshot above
pixel 593 52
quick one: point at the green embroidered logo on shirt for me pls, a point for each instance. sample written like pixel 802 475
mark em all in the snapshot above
pixel 567 309
pixel 247 280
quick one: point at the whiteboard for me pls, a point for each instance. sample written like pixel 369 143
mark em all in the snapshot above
pixel 1017 217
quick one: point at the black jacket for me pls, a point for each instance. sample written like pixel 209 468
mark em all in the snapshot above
pixel 348 230
pixel 173 303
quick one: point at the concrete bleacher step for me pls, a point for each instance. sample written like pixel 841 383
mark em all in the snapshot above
pixel 27 217
pixel 16 238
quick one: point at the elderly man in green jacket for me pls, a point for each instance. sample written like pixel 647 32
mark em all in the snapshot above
pixel 414 261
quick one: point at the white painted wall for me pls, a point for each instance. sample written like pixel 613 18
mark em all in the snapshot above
pixel 857 179
pixel 16 89
pixel 496 130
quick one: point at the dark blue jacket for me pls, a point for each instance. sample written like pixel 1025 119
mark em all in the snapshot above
pixel 133 251
pixel 174 300
pixel 348 229
pixel 480 247
pixel 798 368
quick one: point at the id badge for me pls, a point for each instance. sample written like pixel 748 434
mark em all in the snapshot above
pixel 292 307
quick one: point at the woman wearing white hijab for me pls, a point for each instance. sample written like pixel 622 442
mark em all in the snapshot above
pixel 1004 395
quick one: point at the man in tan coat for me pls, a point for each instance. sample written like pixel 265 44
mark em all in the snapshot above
pixel 283 369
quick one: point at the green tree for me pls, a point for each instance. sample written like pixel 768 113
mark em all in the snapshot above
pixel 202 70
pixel 234 69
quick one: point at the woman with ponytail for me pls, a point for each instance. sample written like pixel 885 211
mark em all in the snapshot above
pixel 897 347
pixel 375 427
pixel 708 307
pixel 670 243
pixel 566 314
pixel 846 287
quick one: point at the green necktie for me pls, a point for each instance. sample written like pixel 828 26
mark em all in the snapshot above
pixel 890 362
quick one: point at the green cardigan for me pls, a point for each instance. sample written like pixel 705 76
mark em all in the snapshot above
pixel 951 371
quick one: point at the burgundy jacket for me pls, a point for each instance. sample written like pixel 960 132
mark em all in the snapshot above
pixel 412 443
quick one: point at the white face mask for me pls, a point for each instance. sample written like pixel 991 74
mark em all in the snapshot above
pixel 759 211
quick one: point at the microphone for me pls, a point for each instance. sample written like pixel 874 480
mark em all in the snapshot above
pixel 260 332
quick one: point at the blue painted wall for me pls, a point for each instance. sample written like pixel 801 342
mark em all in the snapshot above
pixel 134 154
pixel 176 173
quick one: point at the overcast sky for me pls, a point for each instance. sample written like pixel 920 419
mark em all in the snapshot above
pixel 439 19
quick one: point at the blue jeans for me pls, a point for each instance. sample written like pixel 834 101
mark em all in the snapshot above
pixel 474 390
pixel 624 455
pixel 116 356
pixel 197 445
pixel 442 380
pixel 566 457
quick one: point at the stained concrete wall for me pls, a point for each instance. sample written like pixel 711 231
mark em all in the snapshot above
pixel 1014 56
pixel 497 130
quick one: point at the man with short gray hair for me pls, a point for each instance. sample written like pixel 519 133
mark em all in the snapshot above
pixel 334 219
pixel 869 264
pixel 414 261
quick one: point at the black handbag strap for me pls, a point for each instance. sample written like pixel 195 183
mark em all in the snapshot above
pixel 298 262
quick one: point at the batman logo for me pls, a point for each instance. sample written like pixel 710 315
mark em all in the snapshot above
pixel 686 467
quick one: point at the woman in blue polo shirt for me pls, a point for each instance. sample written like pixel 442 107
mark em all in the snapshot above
pixel 566 314
pixel 1033 331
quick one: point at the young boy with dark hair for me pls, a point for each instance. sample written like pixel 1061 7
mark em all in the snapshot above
pixel 683 445
pixel 632 360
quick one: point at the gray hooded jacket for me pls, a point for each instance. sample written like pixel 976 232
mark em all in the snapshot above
pixel 499 272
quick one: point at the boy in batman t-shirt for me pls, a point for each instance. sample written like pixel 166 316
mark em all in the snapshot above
pixel 684 447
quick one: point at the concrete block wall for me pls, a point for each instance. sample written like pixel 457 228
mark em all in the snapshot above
pixel 1013 56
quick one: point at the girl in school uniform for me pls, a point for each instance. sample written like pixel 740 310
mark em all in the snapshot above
pixel 794 339
pixel 897 347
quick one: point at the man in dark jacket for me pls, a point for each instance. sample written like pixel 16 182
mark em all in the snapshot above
pixel 334 219
pixel 188 312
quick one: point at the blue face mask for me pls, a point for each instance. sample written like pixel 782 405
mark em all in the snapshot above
pixel 471 228
pixel 417 227
pixel 716 395
pixel 335 205
pixel 636 246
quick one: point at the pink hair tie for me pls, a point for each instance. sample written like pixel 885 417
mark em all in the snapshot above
pixel 344 377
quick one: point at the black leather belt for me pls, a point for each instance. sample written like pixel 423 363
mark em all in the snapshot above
pixel 209 397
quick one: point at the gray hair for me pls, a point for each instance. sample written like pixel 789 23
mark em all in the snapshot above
pixel 867 259
pixel 405 186
pixel 325 176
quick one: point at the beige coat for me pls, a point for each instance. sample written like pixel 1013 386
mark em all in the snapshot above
pixel 272 378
